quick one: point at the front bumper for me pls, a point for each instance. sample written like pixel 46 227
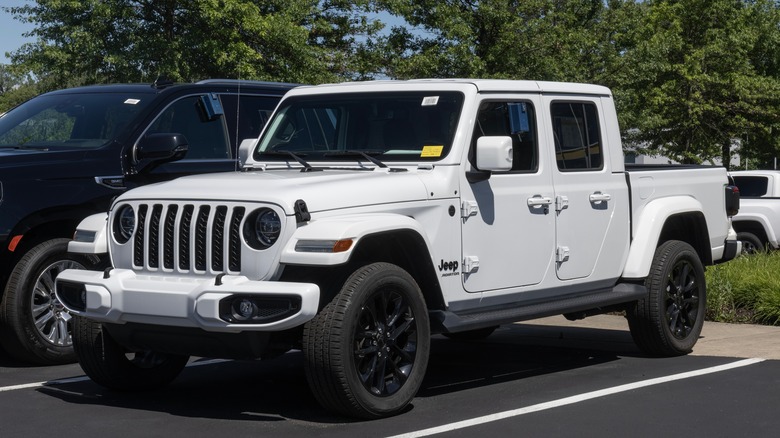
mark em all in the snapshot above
pixel 120 296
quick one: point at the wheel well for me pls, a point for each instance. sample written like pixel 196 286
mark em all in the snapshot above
pixel 690 228
pixel 750 227
pixel 404 248
pixel 32 237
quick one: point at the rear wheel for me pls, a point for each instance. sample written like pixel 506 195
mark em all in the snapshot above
pixel 111 365
pixel 366 352
pixel 668 321
pixel 34 325
pixel 751 244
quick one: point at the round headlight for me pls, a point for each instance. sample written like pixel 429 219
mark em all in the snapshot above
pixel 267 227
pixel 124 224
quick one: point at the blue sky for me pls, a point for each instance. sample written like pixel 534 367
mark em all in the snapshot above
pixel 12 30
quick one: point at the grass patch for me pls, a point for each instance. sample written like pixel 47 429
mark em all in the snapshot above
pixel 745 290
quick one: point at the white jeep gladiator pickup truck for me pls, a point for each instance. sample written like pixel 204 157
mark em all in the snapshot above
pixel 369 216
pixel 758 221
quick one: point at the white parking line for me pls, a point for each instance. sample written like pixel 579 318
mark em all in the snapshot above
pixel 83 378
pixel 574 399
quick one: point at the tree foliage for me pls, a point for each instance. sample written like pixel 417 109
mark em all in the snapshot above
pixel 97 41
pixel 694 87
pixel 691 78
pixel 571 40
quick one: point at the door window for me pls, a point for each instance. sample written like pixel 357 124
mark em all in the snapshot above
pixel 510 119
pixel 207 139
pixel 576 135
pixel 247 113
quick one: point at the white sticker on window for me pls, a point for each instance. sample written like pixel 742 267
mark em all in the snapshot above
pixel 132 101
pixel 430 100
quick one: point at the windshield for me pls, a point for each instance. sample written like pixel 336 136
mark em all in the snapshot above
pixel 68 120
pixel 405 126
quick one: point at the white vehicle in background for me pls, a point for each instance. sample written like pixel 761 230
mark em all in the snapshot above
pixel 758 221
pixel 368 216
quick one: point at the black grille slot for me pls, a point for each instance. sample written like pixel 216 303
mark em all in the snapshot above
pixel 201 227
pixel 168 236
pixel 138 240
pixel 218 238
pixel 234 246
pixel 154 236
pixel 184 237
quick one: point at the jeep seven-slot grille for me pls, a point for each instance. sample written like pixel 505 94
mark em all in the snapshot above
pixel 200 238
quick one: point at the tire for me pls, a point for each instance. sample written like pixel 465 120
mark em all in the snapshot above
pixel 472 335
pixel 366 352
pixel 34 326
pixel 751 244
pixel 669 320
pixel 110 365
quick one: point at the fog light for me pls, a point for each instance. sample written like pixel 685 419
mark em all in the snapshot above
pixel 244 309
pixel 248 309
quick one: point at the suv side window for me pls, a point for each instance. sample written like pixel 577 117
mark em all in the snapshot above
pixel 576 134
pixel 252 112
pixel 207 139
pixel 511 119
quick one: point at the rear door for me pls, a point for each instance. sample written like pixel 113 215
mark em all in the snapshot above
pixel 590 202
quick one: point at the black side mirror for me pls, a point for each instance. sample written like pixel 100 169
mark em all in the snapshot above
pixel 159 148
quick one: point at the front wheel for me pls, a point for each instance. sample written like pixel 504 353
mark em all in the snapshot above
pixel 109 364
pixel 34 325
pixel 668 321
pixel 366 352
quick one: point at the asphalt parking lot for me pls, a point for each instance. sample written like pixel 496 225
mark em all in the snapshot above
pixel 549 377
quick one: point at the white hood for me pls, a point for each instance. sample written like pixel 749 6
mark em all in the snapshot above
pixel 321 190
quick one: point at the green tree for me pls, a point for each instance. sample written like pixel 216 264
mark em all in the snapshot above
pixel 694 87
pixel 574 40
pixel 15 88
pixel 97 41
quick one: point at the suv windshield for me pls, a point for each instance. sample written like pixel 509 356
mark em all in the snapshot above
pixel 398 126
pixel 68 120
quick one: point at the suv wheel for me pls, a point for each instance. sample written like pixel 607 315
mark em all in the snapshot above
pixel 668 321
pixel 34 325
pixel 366 352
pixel 109 364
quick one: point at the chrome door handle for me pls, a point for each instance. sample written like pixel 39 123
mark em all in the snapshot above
pixel 599 197
pixel 538 200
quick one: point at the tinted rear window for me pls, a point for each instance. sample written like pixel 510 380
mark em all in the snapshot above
pixel 752 186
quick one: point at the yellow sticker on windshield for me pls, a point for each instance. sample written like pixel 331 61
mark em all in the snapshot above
pixel 431 151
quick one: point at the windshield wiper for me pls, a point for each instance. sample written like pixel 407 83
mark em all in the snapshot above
pixel 356 153
pixel 297 157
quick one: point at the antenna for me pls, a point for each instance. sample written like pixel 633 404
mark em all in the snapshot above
pixel 238 113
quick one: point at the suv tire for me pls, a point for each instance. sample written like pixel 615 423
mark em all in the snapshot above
pixel 34 326
pixel 366 352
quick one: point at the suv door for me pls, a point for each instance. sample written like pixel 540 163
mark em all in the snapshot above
pixel 213 133
pixel 592 223
pixel 507 224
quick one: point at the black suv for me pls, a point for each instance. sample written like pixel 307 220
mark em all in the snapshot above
pixel 64 155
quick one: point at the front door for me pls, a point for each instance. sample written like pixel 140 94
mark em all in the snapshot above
pixel 508 220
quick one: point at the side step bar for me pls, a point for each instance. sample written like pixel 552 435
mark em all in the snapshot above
pixel 443 321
